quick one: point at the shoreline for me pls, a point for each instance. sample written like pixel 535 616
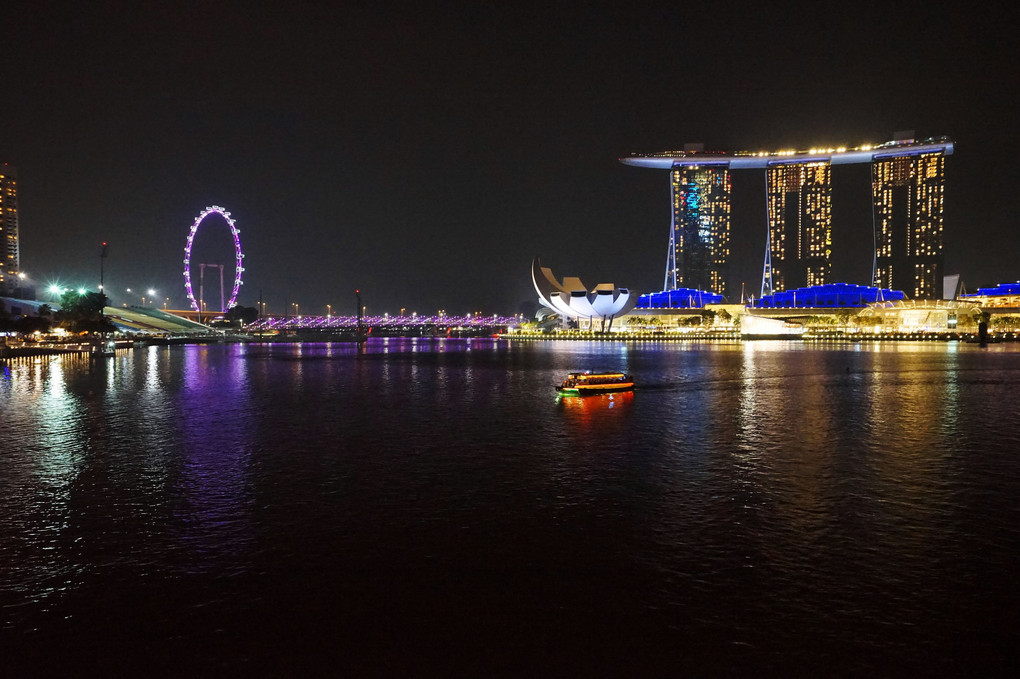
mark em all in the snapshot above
pixel 87 348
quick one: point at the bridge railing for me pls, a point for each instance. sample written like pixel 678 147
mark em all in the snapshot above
pixel 390 322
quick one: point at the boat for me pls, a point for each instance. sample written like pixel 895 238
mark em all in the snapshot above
pixel 104 348
pixel 586 383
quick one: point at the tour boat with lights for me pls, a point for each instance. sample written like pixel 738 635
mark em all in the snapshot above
pixel 585 383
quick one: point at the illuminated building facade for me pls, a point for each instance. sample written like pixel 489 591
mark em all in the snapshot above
pixel 800 225
pixel 10 255
pixel 699 237
pixel 572 300
pixel 908 194
pixel 679 298
pixel 1002 295
pixel 832 295
pixel 908 189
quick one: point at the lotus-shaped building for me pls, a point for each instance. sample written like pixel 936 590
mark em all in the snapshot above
pixel 572 300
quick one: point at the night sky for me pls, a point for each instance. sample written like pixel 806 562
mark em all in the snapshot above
pixel 426 154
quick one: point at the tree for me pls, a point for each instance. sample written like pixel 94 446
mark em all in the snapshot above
pixel 242 314
pixel 6 324
pixel 83 312
pixel 87 303
pixel 26 325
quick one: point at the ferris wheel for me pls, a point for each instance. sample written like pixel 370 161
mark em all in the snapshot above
pixel 238 256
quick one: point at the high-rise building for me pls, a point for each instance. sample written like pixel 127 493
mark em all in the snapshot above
pixel 800 224
pixel 699 241
pixel 908 186
pixel 908 194
pixel 10 254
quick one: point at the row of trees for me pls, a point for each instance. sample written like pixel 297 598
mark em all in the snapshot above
pixel 78 313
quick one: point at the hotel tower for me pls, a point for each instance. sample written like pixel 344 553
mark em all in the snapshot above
pixel 800 224
pixel 699 237
pixel 908 194
pixel 908 185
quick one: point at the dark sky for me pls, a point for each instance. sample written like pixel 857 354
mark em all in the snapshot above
pixel 426 154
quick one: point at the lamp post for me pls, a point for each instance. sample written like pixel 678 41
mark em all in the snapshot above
pixel 361 336
pixel 102 260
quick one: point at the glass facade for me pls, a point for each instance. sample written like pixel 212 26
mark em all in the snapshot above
pixel 10 262
pixel 800 224
pixel 699 241
pixel 908 194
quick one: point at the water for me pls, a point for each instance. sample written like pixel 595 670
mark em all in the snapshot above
pixel 432 507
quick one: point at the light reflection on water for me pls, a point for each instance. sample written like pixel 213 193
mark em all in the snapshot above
pixel 798 502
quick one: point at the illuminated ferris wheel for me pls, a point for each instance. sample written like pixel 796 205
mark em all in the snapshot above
pixel 197 304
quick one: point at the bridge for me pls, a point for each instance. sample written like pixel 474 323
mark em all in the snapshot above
pixel 385 325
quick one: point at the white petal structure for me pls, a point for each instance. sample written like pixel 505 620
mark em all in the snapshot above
pixel 572 300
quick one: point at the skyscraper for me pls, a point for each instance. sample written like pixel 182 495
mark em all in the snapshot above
pixel 800 224
pixel 699 241
pixel 908 186
pixel 908 194
pixel 10 256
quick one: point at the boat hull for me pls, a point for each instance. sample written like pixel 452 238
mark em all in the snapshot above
pixel 595 389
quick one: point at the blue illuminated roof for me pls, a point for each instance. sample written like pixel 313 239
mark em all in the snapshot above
pixel 680 298
pixel 829 295
pixel 746 160
pixel 1000 289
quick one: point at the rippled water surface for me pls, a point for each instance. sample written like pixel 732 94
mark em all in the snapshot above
pixel 432 506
